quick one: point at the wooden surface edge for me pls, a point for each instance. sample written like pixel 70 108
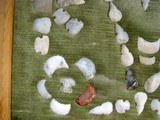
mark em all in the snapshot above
pixel 6 31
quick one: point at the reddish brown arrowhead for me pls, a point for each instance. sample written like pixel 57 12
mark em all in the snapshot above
pixel 87 96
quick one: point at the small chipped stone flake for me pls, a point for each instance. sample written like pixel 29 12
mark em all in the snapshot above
pixel 130 80
pixel 61 16
pixel 41 45
pixel 145 4
pixel 104 109
pixel 42 89
pixel 54 63
pixel 64 3
pixel 43 5
pixel 115 15
pixel 67 85
pixel 60 108
pixel 121 106
pixel 108 0
pixel 140 100
pixel 147 60
pixel 148 47
pixel 87 67
pixel 152 83
pixel 127 58
pixel 121 35
pixel 155 105
pixel 74 26
pixel 42 25
pixel 87 96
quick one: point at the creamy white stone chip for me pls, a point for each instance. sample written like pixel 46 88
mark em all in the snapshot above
pixel 127 58
pixel 121 106
pixel 148 47
pixel 147 60
pixel 87 67
pixel 61 16
pixel 59 108
pixel 67 85
pixel 115 15
pixel 155 105
pixel 104 109
pixel 41 45
pixel 121 35
pixel 145 4
pixel 140 100
pixel 42 89
pixel 152 83
pixel 64 3
pixel 74 26
pixel 54 63
pixel 42 25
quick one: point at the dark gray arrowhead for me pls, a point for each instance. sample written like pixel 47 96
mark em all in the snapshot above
pixel 130 80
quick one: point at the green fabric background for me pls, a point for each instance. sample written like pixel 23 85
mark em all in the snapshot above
pixel 97 42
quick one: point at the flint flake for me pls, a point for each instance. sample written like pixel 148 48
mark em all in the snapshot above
pixel 43 5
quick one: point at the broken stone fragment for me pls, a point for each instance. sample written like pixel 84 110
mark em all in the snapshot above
pixel 115 15
pixel 127 58
pixel 155 105
pixel 43 5
pixel 41 45
pixel 104 109
pixel 64 3
pixel 42 25
pixel 121 35
pixel 147 60
pixel 54 63
pixel 140 100
pixel 74 26
pixel 130 80
pixel 87 67
pixel 152 83
pixel 122 106
pixel 145 4
pixel 61 16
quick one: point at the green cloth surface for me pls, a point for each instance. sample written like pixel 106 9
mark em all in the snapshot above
pixel 95 41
